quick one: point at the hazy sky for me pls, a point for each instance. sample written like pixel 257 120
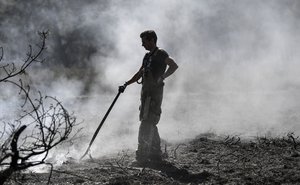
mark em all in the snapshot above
pixel 238 63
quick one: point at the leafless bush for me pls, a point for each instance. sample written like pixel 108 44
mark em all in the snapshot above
pixel 42 124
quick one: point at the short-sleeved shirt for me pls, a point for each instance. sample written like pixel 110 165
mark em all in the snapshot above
pixel 155 62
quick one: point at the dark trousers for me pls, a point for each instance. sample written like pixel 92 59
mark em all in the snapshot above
pixel 148 142
pixel 148 138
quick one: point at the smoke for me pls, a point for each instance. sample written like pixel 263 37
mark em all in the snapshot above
pixel 238 63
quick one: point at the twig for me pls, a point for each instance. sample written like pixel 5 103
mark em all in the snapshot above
pixel 175 150
pixel 51 170
pixel 291 135
pixel 1 55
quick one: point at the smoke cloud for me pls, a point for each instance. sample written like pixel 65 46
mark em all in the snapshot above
pixel 238 63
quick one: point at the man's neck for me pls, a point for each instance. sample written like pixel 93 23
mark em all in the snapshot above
pixel 153 49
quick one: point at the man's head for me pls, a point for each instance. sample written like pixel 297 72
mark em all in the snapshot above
pixel 149 39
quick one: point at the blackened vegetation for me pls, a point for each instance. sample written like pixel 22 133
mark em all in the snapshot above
pixel 42 124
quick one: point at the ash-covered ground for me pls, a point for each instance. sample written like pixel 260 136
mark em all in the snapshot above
pixel 207 159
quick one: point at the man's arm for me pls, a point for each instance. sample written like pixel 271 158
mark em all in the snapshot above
pixel 172 67
pixel 135 77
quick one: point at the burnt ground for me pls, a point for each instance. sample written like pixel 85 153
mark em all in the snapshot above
pixel 207 159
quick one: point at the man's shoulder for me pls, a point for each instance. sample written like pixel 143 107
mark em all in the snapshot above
pixel 162 52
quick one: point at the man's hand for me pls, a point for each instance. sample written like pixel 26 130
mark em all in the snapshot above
pixel 160 80
pixel 122 87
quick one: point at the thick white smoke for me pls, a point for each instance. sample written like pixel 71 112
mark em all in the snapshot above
pixel 238 67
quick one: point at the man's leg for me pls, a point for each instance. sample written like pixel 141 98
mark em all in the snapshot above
pixel 154 117
pixel 149 140
pixel 145 138
pixel 155 150
pixel 148 143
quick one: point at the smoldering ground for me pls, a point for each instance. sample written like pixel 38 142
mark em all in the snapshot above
pixel 238 63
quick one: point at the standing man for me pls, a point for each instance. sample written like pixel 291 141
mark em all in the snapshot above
pixel 156 66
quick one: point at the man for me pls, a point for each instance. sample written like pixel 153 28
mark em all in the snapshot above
pixel 156 67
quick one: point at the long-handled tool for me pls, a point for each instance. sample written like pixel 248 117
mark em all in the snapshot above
pixel 121 90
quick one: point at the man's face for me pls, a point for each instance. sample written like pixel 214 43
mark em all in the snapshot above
pixel 147 43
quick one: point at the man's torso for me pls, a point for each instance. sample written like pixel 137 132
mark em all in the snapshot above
pixel 154 65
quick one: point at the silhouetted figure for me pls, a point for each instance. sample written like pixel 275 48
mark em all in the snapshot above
pixel 156 66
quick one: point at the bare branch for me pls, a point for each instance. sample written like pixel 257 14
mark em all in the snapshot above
pixel 11 70
pixel 49 123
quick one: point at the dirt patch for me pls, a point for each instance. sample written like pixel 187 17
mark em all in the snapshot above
pixel 204 160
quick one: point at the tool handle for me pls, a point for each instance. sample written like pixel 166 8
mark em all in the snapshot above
pixel 101 123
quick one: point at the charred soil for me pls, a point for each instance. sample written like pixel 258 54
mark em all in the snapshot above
pixel 206 159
